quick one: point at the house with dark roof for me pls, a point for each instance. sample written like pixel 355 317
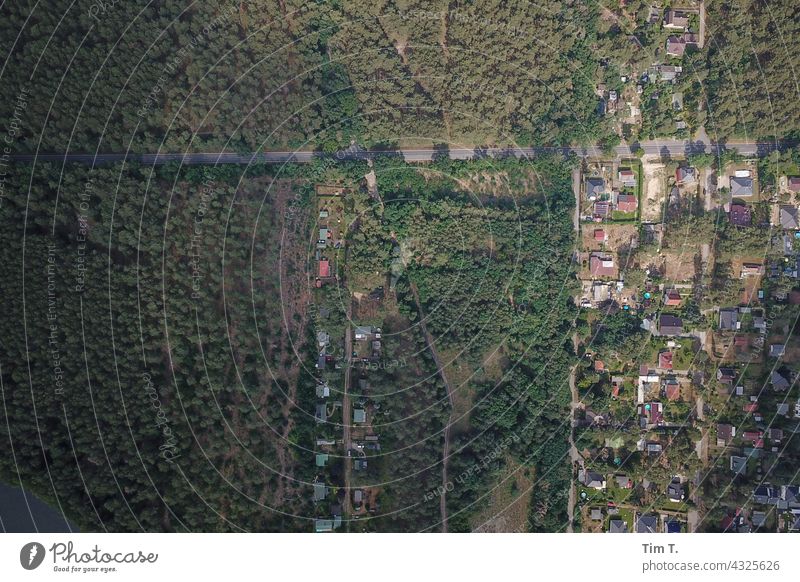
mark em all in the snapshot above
pixel 765 494
pixel 741 187
pixel 670 325
pixel 674 19
pixel 790 495
pixel 675 491
pixel 623 481
pixel 788 217
pixel 729 319
pixel 726 375
pixel 617 526
pixel 779 382
pixel 793 183
pixel 602 209
pixel 740 215
pixel 595 187
pixel 738 465
pixel 725 434
pixel 647 524
pixel 594 480
pixel 777 350
pixel 677 44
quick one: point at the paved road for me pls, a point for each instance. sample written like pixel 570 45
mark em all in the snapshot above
pixel 664 148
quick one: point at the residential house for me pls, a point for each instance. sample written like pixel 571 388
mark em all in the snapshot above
pixel 617 526
pixel 677 45
pixel 602 209
pixel 726 375
pixel 670 325
pixel 752 270
pixel 665 360
pixel 672 389
pixel 673 525
pixel 323 525
pixel 738 465
pixel 324 268
pixel 676 19
pixel 729 319
pixel 754 436
pixel 595 187
pixel 651 415
pixel 602 265
pixel 323 390
pixel 725 434
pixel 623 481
pixel 766 494
pixel 793 183
pixel 758 519
pixel 775 435
pixel 600 235
pixel 672 298
pixel 320 492
pixel 779 382
pixel 647 524
pixel 788 217
pixel 363 332
pixel 594 480
pixel 654 448
pixel 596 514
pixel 740 215
pixel 741 187
pixel 627 177
pixel 790 495
pixel 359 415
pixel 685 175
pixel 627 203
pixel 777 350
pixel 675 491
pixel 669 73
pixel 616 386
pixel 321 459
pixel 321 413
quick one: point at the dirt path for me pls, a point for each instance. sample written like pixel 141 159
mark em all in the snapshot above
pixel 574 455
pixel 576 190
pixel 346 413
pixel 440 367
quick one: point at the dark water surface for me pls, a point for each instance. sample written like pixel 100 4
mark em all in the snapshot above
pixel 23 512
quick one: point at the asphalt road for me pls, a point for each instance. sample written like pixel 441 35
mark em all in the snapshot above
pixel 664 148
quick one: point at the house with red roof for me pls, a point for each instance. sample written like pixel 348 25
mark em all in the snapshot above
pixel 602 265
pixel 627 203
pixel 672 389
pixel 665 360
pixel 324 268
pixel 672 298
pixel 740 215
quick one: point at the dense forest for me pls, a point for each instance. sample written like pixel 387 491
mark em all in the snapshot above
pixel 169 75
pixel 150 381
